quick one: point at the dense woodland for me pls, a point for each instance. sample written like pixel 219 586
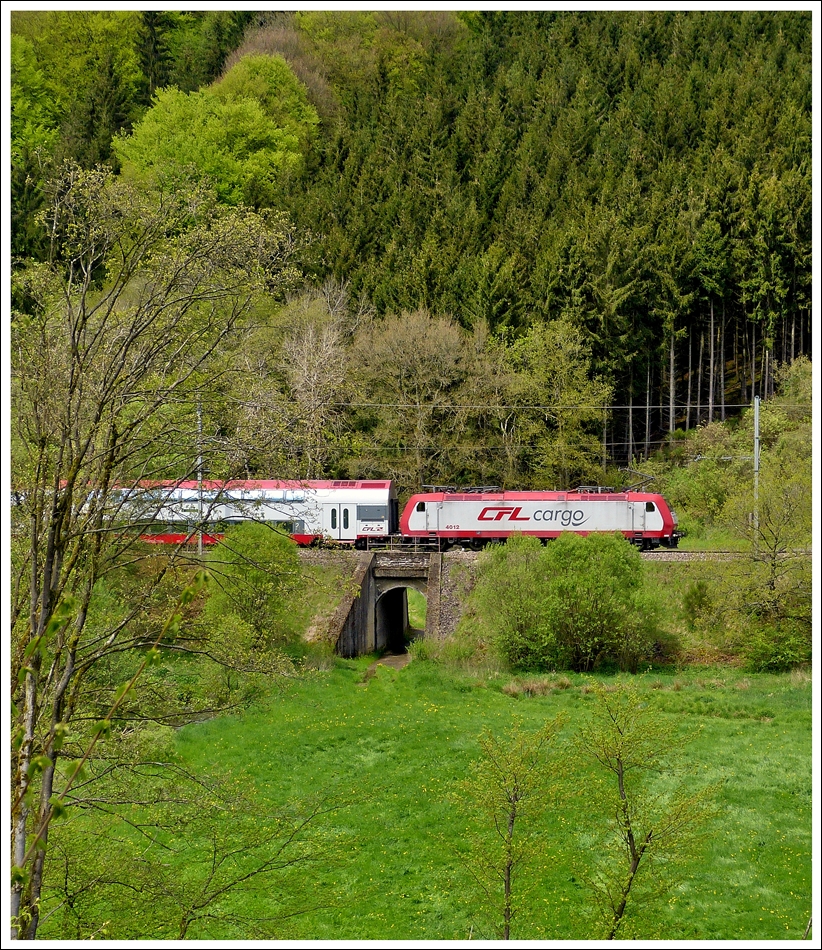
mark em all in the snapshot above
pixel 511 248
pixel 470 191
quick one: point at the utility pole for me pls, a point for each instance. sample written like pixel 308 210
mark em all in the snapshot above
pixel 756 471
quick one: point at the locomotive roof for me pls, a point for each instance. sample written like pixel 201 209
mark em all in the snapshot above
pixel 537 495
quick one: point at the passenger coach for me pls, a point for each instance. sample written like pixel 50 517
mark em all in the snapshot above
pixel 350 512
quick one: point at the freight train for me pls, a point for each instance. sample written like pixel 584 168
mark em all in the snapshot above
pixel 365 513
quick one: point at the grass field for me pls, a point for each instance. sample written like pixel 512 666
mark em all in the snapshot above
pixel 390 747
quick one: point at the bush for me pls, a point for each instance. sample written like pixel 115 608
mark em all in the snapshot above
pixel 256 573
pixel 779 648
pixel 696 603
pixel 575 604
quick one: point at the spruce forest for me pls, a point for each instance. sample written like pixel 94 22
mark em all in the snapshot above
pixel 603 219
pixel 526 249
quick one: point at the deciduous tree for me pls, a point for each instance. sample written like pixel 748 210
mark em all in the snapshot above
pixel 648 819
pixel 509 788
pixel 141 288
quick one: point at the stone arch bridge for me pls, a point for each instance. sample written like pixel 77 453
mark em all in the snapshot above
pixel 374 613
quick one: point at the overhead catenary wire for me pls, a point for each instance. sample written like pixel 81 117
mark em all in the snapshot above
pixel 617 407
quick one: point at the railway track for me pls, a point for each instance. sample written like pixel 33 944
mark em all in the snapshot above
pixel 663 554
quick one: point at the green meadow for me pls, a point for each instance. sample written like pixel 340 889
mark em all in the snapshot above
pixel 385 749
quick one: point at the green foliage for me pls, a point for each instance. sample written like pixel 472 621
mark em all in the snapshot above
pixel 210 837
pixel 269 80
pixel 508 790
pixel 256 575
pixel 417 608
pixel 696 602
pixel 33 110
pixel 229 142
pixel 575 604
pixel 595 167
pixel 552 363
pixel 139 290
pixel 774 649
pixel 91 71
pixel 648 834
pixel 246 134
pixel 198 45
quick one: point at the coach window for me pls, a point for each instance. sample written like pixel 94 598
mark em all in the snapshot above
pixel 420 506
pixel 345 518
pixel 372 512
pixel 650 506
pixel 333 517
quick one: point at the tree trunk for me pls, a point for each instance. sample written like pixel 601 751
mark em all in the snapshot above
pixel 742 376
pixel 722 364
pixel 648 413
pixel 699 378
pixel 672 389
pixel 711 367
pixel 784 339
pixel 753 361
pixel 690 370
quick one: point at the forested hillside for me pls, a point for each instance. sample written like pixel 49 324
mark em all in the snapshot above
pixel 527 249
pixel 633 188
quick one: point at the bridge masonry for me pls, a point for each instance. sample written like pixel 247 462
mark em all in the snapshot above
pixel 372 613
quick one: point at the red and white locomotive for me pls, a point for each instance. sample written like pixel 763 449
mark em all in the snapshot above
pixel 364 512
pixel 473 518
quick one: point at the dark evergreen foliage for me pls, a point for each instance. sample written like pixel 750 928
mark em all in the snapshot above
pixel 646 175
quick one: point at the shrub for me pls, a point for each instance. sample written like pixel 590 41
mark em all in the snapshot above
pixel 778 648
pixel 696 602
pixel 575 604
pixel 256 572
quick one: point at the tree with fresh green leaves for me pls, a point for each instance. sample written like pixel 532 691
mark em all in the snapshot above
pixel 509 787
pixel 148 847
pixel 243 134
pixel 255 574
pixel 647 811
pixel 290 383
pixel 270 81
pixel 33 134
pixel 768 591
pixel 598 608
pixel 562 406
pixel 574 604
pixel 93 74
pixel 142 288
pixel 407 371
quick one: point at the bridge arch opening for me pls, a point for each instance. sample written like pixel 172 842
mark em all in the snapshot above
pixel 399 615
